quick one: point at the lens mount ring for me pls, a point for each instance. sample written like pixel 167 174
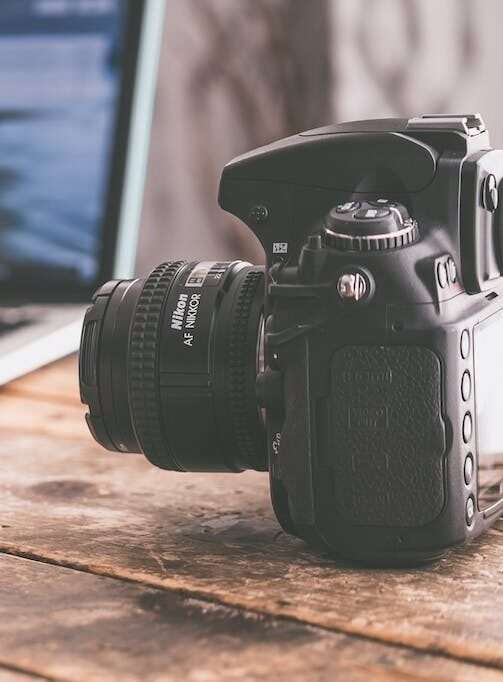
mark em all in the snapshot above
pixel 143 362
pixel 243 344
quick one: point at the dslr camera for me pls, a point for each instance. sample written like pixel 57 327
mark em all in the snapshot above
pixel 362 367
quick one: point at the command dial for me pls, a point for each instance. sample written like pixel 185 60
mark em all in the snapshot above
pixel 370 226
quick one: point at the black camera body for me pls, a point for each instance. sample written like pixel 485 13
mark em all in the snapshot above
pixel 375 407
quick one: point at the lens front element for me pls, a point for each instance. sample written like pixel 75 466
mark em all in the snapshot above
pixel 183 367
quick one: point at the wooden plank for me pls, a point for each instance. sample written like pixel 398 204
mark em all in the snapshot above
pixel 73 626
pixel 13 676
pixel 19 415
pixel 45 402
pixel 215 536
pixel 55 383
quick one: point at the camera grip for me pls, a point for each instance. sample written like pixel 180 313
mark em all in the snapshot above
pixel 387 436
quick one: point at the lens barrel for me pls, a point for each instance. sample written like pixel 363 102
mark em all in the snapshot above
pixel 168 366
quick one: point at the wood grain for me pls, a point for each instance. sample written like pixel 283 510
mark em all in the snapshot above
pixel 56 383
pixel 214 537
pixel 72 626
pixel 13 676
pixel 46 402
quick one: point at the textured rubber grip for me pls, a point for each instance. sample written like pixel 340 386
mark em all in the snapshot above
pixel 387 441
pixel 143 374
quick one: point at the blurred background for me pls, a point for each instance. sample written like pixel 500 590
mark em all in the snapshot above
pixel 236 74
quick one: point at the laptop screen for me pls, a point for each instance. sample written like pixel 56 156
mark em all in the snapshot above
pixel 63 67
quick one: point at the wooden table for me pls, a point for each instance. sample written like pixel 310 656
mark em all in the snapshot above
pixel 113 570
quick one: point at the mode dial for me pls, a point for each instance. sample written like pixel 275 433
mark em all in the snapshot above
pixel 370 226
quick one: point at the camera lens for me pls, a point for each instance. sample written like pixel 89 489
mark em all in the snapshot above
pixel 168 366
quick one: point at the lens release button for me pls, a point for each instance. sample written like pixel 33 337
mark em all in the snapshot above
pixel 352 286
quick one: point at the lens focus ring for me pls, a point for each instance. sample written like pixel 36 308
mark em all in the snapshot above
pixel 142 369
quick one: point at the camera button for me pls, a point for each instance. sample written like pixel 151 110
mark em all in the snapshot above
pixel 382 202
pixel 258 214
pixel 372 213
pixel 490 193
pixel 470 510
pixel 467 427
pixel 468 469
pixel 442 275
pixel 466 386
pixel 465 344
pixel 352 286
pixel 452 271
pixel 348 207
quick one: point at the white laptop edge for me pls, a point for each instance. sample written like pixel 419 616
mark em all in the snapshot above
pixel 139 139
pixel 66 340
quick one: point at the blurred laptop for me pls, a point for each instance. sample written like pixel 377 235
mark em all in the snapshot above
pixel 77 84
